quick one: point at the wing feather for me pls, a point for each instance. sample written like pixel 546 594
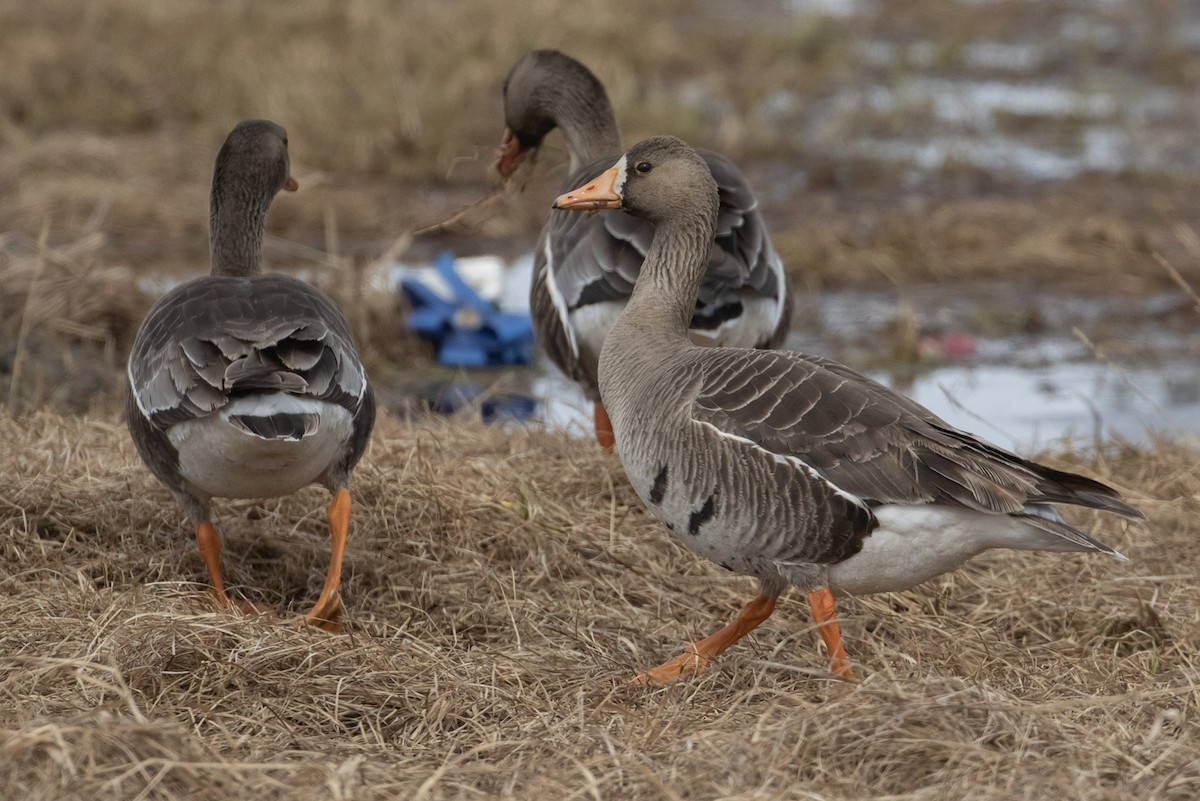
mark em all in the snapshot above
pixel 872 442
pixel 219 336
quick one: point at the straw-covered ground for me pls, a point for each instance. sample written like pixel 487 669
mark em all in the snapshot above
pixel 500 586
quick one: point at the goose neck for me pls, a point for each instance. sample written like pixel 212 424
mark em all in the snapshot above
pixel 236 226
pixel 664 296
pixel 588 126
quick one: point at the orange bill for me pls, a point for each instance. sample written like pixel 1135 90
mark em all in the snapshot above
pixel 600 193
pixel 508 155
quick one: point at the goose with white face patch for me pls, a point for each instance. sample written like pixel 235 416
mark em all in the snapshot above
pixel 248 385
pixel 585 267
pixel 793 468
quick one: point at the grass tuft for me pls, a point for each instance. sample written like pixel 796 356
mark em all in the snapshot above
pixel 501 584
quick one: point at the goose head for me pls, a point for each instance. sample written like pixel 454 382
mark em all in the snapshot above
pixel 254 160
pixel 252 167
pixel 545 90
pixel 660 179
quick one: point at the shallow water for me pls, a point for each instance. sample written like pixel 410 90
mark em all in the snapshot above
pixel 1089 87
pixel 1024 369
pixel 1021 409
pixel 1139 130
pixel 1083 403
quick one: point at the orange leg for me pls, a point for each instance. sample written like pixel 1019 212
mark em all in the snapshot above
pixel 209 543
pixel 328 609
pixel 604 431
pixel 825 613
pixel 698 654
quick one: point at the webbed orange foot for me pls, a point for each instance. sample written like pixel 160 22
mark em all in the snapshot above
pixel 697 655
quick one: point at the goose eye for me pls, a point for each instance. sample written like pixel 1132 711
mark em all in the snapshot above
pixel 643 166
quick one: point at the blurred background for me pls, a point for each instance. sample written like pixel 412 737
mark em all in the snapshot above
pixel 993 205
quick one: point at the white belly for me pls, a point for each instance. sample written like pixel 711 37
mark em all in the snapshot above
pixel 916 543
pixel 592 323
pixel 749 329
pixel 227 462
pixel 754 325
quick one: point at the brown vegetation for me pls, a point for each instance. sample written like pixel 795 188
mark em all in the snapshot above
pixel 500 585
pixel 109 119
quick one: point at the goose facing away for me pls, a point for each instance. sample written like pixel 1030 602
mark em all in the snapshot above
pixel 585 267
pixel 248 385
pixel 793 468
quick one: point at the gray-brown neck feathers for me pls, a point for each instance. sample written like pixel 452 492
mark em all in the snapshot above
pixel 251 168
pixel 678 195
pixel 670 279
pixel 547 89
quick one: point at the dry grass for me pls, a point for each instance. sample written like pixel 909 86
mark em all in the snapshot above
pixel 369 85
pixel 393 110
pixel 1093 234
pixel 66 323
pixel 501 584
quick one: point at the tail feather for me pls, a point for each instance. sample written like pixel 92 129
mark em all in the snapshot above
pixel 1047 519
pixel 1082 491
pixel 1107 503
pixel 1052 486
pixel 281 425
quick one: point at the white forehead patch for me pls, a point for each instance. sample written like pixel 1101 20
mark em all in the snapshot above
pixel 619 185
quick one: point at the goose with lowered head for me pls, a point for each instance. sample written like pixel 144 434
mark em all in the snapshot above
pixel 585 267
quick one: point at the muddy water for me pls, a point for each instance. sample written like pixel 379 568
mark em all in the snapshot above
pixel 1023 368
pixel 1096 86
